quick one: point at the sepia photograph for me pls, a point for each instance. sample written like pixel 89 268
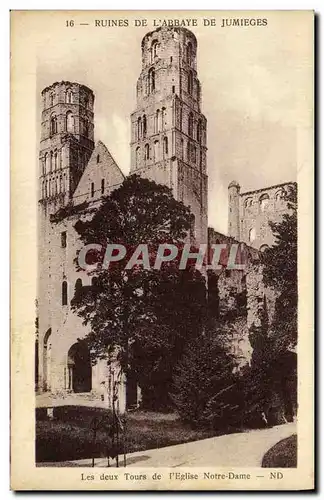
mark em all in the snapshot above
pixel 171 172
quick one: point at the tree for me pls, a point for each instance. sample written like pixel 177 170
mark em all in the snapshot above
pixel 204 371
pixel 280 272
pixel 146 316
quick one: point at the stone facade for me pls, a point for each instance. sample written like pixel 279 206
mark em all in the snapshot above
pixel 250 213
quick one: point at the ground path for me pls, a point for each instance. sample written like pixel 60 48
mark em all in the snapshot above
pixel 245 449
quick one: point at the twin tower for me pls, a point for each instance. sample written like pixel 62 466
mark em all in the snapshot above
pixel 168 129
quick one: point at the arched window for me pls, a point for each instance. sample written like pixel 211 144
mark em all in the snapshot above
pixel 248 203
pixel 51 162
pixel 137 156
pixel 69 122
pixel 156 151
pixel 154 49
pixel 190 125
pixel 199 131
pixel 165 146
pixel 151 80
pixel 280 195
pixel 102 186
pixel 53 124
pixel 98 158
pixel 189 53
pixel 264 247
pixel 86 101
pixel 45 164
pixel 139 128
pixel 92 189
pixel 69 97
pixel 194 154
pixel 182 148
pixel 192 230
pixel 52 100
pixel 157 121
pixel 252 234
pixel 163 118
pixel 43 190
pixel 190 82
pixel 264 202
pixel 64 293
pixel 55 161
pixel 78 285
pixel 57 185
pixel 144 126
pixel 147 152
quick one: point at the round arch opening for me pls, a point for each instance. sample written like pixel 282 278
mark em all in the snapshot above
pixel 79 368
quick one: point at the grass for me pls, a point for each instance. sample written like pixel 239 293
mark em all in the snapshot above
pixel 282 454
pixel 69 435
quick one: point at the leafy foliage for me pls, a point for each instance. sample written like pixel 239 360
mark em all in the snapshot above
pixel 145 315
pixel 204 371
pixel 280 272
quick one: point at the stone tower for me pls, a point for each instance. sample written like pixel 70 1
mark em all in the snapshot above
pixel 67 141
pixel 168 130
pixel 66 144
pixel 234 210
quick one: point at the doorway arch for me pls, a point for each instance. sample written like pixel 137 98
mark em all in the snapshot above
pixel 79 368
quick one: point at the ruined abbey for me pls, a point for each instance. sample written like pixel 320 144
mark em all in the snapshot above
pixel 168 144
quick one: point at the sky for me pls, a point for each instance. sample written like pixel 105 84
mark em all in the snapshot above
pixel 256 83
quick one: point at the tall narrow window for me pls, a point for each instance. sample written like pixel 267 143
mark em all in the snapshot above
pixel 137 156
pixel 199 131
pixel 55 161
pixel 190 125
pixel 139 128
pixel 165 146
pixel 78 285
pixel 156 151
pixel 157 121
pixel 144 126
pixel 163 119
pixel 53 125
pixel 154 48
pixel 147 152
pixel 151 80
pixel 92 189
pixel 189 53
pixel 102 186
pixel 51 161
pixel 194 154
pixel 182 148
pixel 44 164
pixel 69 97
pixel 69 122
pixel 52 100
pixel 190 82
pixel 180 118
pixel 173 89
pixel 98 158
pixel 63 239
pixel 64 294
pixel 188 152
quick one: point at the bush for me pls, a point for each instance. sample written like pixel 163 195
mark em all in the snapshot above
pixel 204 370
